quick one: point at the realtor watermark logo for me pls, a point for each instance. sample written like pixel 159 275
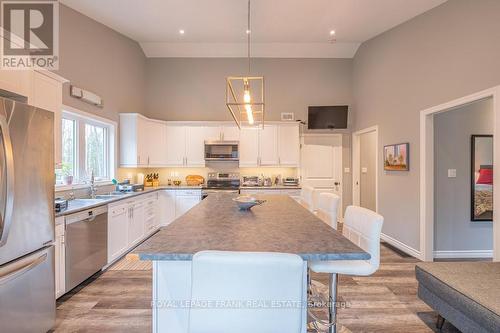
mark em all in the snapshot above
pixel 30 31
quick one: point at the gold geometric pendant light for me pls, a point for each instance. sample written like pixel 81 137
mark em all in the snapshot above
pixel 245 94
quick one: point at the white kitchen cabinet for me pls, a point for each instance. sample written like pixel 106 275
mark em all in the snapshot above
pixel 176 145
pixel 16 81
pixel 167 207
pixel 230 133
pixel 156 138
pixel 142 141
pixel 185 200
pixel 136 223
pixel 268 146
pixel 60 257
pixel 195 144
pixel 289 145
pixel 46 93
pixel 213 133
pixel 249 147
pixel 151 213
pixel 118 223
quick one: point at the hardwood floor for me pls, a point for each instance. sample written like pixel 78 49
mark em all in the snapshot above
pixel 119 301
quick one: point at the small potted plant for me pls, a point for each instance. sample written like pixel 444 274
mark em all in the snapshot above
pixel 67 176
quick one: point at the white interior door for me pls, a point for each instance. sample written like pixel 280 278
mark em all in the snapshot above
pixel 321 168
pixel 365 168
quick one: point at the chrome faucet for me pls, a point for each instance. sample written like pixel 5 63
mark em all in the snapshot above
pixel 92 186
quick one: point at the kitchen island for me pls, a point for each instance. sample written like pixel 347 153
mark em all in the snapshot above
pixel 279 225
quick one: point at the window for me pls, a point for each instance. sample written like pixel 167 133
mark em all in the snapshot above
pixel 87 146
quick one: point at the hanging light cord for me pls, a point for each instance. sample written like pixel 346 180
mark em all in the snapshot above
pixel 249 32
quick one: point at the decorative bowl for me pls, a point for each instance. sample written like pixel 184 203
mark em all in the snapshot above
pixel 177 182
pixel 246 202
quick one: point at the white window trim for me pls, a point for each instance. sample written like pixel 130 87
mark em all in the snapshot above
pixel 69 112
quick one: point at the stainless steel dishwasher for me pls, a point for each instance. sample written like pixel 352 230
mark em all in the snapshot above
pixel 86 242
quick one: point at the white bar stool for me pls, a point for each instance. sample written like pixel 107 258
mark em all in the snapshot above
pixel 328 205
pixel 239 288
pixel 306 197
pixel 362 227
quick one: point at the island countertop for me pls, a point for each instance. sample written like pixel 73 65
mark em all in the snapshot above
pixel 279 225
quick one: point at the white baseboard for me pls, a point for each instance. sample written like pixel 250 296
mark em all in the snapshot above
pixel 401 246
pixel 463 254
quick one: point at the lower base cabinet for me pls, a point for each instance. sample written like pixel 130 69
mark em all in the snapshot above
pixel 175 203
pixel 118 216
pixel 185 200
pixel 60 257
pixel 131 222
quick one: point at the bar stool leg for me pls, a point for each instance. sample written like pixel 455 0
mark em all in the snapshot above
pixel 332 305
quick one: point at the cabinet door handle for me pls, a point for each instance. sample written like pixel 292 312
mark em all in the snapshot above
pixel 138 159
pixel 148 160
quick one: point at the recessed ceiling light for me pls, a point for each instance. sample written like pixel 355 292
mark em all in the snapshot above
pixel 248 32
pixel 181 32
pixel 332 32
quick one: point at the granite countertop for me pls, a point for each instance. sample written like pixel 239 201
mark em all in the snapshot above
pixel 78 206
pixel 273 187
pixel 279 225
pixel 75 206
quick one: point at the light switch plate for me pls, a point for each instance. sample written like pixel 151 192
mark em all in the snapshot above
pixel 452 173
pixel 364 170
pixel 347 170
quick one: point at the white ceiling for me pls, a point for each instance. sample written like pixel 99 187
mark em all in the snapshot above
pixel 280 28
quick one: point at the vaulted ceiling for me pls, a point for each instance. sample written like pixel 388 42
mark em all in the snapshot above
pixel 280 28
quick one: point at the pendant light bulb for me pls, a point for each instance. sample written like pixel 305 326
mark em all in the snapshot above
pixel 246 96
pixel 248 109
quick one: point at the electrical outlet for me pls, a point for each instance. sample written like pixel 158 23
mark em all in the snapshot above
pixel 452 173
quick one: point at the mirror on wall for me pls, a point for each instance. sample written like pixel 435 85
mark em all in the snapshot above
pixel 482 178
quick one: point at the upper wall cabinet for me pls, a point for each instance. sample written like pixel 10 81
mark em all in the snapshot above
pixel 142 141
pixel 289 145
pixel 43 89
pixel 153 143
pixel 275 145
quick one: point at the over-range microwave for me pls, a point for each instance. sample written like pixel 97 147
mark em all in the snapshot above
pixel 222 151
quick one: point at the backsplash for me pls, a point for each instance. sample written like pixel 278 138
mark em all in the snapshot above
pixel 83 192
pixel 181 173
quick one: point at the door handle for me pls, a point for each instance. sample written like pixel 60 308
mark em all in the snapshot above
pixel 8 177
pixel 8 274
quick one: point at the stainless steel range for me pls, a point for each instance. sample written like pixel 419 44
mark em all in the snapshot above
pixel 217 182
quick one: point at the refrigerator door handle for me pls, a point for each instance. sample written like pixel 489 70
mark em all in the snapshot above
pixel 7 274
pixel 8 181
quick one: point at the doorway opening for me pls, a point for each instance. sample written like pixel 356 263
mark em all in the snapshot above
pixel 463 182
pixel 428 121
pixel 365 168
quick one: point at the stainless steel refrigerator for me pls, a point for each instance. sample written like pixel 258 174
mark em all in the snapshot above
pixel 27 298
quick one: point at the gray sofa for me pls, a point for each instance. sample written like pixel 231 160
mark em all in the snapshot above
pixel 467 294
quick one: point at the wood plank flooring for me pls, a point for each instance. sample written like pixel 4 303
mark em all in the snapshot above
pixel 119 301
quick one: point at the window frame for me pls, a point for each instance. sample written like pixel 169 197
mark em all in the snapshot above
pixel 81 118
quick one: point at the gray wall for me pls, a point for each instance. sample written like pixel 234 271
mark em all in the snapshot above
pixel 453 229
pixel 368 160
pixel 194 89
pixel 448 52
pixel 98 59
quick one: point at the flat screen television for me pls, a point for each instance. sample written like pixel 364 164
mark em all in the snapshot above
pixel 327 117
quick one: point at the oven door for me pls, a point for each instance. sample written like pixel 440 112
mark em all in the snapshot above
pixel 221 151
